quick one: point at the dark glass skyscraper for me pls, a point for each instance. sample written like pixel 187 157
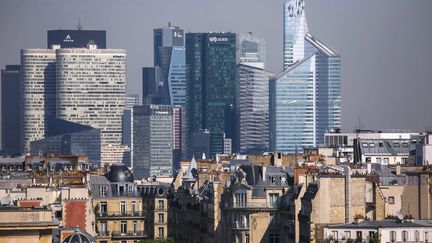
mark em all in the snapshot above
pixel 211 62
pixel 152 85
pixel 11 109
pixel 76 38
pixel 169 55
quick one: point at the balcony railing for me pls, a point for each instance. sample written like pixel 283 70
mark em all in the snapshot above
pixel 251 205
pixel 160 222
pixel 159 209
pixel 103 233
pixel 240 225
pixel 122 214
pixel 129 234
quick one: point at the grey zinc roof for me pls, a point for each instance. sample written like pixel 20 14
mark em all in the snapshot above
pixel 17 160
pixel 390 223
pixel 391 147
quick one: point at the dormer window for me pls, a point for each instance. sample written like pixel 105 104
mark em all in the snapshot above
pixel 272 179
pixel 103 191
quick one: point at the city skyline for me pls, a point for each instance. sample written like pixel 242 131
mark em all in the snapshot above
pixel 387 78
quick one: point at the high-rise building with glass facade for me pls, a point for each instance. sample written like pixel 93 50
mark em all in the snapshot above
pixel 252 109
pixel 211 60
pixel 252 96
pixel 127 124
pixel 169 55
pixel 153 136
pixel 305 97
pixel 11 94
pixel 38 73
pixel 295 29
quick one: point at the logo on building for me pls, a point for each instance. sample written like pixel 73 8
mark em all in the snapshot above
pixel 68 39
pixel 178 34
pixel 216 39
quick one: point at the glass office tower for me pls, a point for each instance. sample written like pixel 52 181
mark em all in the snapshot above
pixel 153 140
pixel 305 97
pixel 211 61
pixel 169 55
pixel 295 29
pixel 11 94
pixel 252 96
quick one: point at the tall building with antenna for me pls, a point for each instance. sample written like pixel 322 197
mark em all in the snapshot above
pixel 79 38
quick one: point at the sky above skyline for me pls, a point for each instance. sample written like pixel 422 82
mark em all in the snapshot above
pixel 384 45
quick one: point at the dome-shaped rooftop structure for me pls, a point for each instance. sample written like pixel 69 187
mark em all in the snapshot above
pixel 79 237
pixel 119 173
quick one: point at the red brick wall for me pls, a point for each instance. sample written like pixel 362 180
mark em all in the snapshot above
pixel 29 203
pixel 75 214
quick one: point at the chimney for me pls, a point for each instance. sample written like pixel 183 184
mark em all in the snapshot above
pixel 369 168
pixel 264 169
pixel 398 169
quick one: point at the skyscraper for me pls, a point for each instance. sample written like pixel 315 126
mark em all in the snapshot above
pixel 38 73
pixel 305 97
pixel 76 38
pixel 127 124
pixel 91 88
pixel 152 85
pixel 211 61
pixel 169 55
pixel 252 96
pixel 11 109
pixel 295 29
pixel 153 148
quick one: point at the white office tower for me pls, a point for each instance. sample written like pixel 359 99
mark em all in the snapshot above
pixel 39 93
pixel 91 89
pixel 295 30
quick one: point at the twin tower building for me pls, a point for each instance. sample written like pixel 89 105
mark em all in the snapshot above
pixel 207 93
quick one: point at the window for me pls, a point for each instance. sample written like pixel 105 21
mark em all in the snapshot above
pixel 396 145
pixel 274 238
pixel 392 236
pixel 368 159
pixel 417 236
pixel 103 207
pixel 380 145
pixel 123 227
pixel 372 145
pixel 335 235
pixel 247 239
pixel 272 179
pixel 134 227
pixel 133 206
pixel 390 200
pixel 404 236
pixel 347 234
pixel 121 190
pixel 161 218
pixel 386 161
pixel 130 189
pixel 122 207
pixel 359 235
pixel 371 234
pixel 240 199
pixel 364 145
pixel 378 160
pixel 161 205
pixel 405 145
pixel 103 191
pixel 103 228
pixel 273 199
pixel 161 232
pixel 426 237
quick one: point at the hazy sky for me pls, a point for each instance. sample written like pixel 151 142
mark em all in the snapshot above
pixel 385 45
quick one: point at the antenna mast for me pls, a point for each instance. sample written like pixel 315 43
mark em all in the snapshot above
pixel 79 26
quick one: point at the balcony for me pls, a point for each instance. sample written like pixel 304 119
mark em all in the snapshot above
pixel 240 225
pixel 159 209
pixel 160 222
pixel 103 234
pixel 128 235
pixel 122 214
pixel 251 206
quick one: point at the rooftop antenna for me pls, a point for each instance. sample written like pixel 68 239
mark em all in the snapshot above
pixel 79 26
